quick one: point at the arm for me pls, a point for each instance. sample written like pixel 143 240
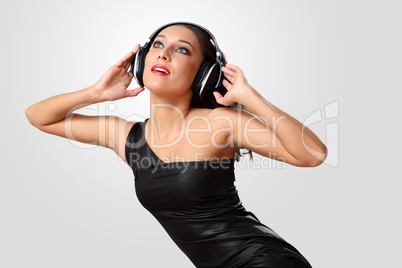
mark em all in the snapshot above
pixel 55 114
pixel 278 135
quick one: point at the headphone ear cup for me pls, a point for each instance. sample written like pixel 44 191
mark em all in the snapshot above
pixel 138 66
pixel 206 79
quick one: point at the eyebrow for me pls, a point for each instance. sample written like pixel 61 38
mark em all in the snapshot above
pixel 180 40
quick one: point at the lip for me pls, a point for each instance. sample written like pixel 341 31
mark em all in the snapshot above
pixel 160 67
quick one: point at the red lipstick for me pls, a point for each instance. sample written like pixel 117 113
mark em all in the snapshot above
pixel 160 70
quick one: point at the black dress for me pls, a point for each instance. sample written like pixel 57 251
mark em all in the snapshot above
pixel 198 205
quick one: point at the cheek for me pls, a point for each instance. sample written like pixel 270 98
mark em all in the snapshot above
pixel 191 69
pixel 187 75
pixel 147 66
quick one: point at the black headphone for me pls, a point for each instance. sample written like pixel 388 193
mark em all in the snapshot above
pixel 208 77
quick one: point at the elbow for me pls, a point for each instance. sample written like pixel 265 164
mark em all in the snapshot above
pixel 312 158
pixel 28 115
pixel 309 163
pixel 316 158
pixel 314 163
pixel 31 118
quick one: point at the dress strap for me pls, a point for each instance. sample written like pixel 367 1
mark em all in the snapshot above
pixel 133 142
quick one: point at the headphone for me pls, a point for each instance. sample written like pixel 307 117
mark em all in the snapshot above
pixel 208 77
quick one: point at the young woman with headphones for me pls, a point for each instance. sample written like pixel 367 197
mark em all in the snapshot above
pixel 202 113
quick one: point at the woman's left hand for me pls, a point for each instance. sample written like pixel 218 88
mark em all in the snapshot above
pixel 235 83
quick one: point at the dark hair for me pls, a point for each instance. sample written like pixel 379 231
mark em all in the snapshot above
pixel 209 53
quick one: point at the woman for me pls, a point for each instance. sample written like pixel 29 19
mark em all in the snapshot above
pixel 183 155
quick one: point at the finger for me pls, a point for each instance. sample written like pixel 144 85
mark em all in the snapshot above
pixel 227 84
pixel 136 48
pixel 126 60
pixel 123 61
pixel 229 78
pixel 232 67
pixel 218 97
pixel 134 51
pixel 236 69
pixel 227 71
pixel 134 92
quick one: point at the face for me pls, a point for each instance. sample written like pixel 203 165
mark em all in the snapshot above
pixel 173 61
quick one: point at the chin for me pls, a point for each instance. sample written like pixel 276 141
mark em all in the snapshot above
pixel 163 88
pixel 158 88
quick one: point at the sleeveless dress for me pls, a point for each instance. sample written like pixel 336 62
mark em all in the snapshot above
pixel 198 206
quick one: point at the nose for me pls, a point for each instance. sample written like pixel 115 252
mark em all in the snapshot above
pixel 164 55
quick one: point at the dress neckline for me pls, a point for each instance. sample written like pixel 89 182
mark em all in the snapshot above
pixel 178 162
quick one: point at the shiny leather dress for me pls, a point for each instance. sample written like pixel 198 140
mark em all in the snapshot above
pixel 198 206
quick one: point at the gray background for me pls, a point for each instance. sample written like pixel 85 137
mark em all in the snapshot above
pixel 66 204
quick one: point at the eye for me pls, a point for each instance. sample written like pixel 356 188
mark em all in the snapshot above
pixel 158 44
pixel 182 50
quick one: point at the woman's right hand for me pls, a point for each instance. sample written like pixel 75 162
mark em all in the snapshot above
pixel 113 84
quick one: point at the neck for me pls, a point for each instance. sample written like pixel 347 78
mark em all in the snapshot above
pixel 168 114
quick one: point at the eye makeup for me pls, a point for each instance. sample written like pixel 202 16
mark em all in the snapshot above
pixel 180 49
pixel 183 49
